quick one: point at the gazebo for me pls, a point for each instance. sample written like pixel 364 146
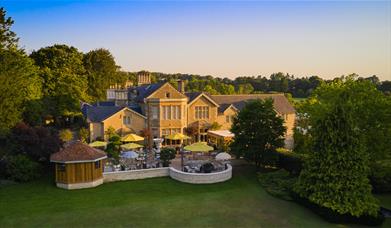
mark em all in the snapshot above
pixel 78 166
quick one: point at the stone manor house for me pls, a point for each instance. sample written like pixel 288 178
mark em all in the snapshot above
pixel 161 109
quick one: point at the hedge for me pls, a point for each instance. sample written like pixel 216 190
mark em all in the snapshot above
pixel 291 162
pixel 335 217
pixel 380 176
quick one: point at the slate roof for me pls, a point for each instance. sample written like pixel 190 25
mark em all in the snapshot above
pixel 281 104
pixel 144 91
pixel 100 113
pixel 192 95
pixel 223 107
pixel 77 151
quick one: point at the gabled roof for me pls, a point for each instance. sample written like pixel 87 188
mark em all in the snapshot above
pixel 201 94
pixel 77 152
pixel 100 113
pixel 224 107
pixel 145 91
pixel 192 95
pixel 281 104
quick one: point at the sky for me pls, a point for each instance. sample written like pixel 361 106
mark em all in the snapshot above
pixel 218 38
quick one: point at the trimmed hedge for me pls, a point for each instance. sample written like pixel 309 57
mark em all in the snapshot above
pixel 277 183
pixel 335 217
pixel 380 176
pixel 291 162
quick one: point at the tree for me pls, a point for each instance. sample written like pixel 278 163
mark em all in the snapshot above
pixel 215 126
pixel 113 147
pixel 19 85
pixel 64 81
pixel 371 111
pixel 335 176
pixel 36 142
pixel 101 72
pixel 258 132
pixel 83 134
pixel 246 88
pixel 166 155
pixel 110 132
pixel 65 135
pixel 8 38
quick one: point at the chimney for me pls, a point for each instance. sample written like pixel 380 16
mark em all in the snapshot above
pixel 181 86
pixel 143 77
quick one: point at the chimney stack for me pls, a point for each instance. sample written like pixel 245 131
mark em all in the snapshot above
pixel 143 77
pixel 181 86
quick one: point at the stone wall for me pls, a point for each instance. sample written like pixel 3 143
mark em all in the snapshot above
pixel 193 178
pixel 201 178
pixel 135 174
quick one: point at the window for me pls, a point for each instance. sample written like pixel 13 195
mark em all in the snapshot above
pixel 227 119
pixel 61 167
pixel 154 112
pixel 127 120
pixel 171 112
pixel 202 112
pixel 97 165
pixel 168 95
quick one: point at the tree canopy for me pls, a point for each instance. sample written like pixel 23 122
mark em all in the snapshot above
pixel 8 38
pixel 258 132
pixel 64 81
pixel 101 72
pixel 335 176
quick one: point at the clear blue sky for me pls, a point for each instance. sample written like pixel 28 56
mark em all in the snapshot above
pixel 224 39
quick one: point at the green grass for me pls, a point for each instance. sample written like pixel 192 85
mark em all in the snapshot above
pixel 158 202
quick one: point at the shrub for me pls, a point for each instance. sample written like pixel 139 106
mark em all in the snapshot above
pixel 335 217
pixel 166 155
pixel 207 167
pixel 277 183
pixel 380 176
pixel 20 168
pixel 83 135
pixel 65 135
pixel 292 162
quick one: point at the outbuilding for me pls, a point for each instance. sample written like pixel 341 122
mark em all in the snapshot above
pixel 78 166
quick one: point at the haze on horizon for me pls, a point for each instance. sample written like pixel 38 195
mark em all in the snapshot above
pixel 223 39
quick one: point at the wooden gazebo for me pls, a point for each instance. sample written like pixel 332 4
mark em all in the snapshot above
pixel 78 166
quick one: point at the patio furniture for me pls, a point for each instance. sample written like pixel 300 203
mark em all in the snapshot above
pixel 131 138
pixel 129 154
pixel 130 146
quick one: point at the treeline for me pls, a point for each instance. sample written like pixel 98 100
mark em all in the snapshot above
pixel 276 83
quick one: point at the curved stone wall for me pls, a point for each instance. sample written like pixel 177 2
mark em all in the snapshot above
pixel 201 178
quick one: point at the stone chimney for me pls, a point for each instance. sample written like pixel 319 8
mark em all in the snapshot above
pixel 143 78
pixel 181 86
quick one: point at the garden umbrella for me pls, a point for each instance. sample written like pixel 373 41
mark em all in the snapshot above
pixel 177 136
pixel 129 146
pixel 98 144
pixel 223 156
pixel 131 138
pixel 129 154
pixel 198 147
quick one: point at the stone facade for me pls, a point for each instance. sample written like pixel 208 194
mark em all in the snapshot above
pixel 164 110
pixel 192 178
pixel 135 174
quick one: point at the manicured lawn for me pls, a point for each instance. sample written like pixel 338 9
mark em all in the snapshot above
pixel 159 202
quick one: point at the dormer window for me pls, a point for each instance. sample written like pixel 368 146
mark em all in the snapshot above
pixel 168 95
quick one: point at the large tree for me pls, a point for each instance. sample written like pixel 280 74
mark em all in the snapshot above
pixel 8 38
pixel 19 82
pixel 371 111
pixel 64 79
pixel 335 176
pixel 101 72
pixel 258 132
